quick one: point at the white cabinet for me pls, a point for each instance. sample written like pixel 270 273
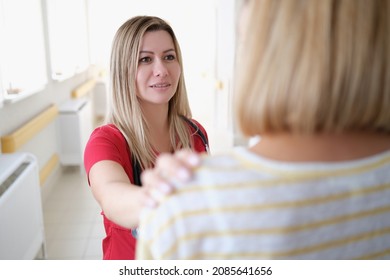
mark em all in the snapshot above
pixel 22 234
pixel 75 126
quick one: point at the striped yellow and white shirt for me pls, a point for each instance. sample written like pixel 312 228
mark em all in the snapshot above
pixel 242 206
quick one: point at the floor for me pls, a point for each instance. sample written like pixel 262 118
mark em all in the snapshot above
pixel 73 224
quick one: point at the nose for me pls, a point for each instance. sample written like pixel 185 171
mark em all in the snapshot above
pixel 160 69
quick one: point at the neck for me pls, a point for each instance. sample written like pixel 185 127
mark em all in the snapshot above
pixel 157 120
pixel 322 147
pixel 156 115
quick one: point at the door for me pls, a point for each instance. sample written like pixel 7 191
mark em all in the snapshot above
pixel 223 121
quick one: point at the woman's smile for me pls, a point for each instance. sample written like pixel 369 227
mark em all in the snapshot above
pixel 158 70
pixel 161 85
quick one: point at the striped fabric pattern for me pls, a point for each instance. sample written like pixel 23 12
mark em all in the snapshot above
pixel 241 206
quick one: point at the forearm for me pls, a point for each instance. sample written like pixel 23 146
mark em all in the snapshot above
pixel 121 203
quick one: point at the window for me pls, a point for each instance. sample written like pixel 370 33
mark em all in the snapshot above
pixel 68 37
pixel 22 49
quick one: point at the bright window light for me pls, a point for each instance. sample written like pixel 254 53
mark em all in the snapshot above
pixel 68 37
pixel 22 50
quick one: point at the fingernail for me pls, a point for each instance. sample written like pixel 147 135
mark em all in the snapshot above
pixel 165 188
pixel 183 174
pixel 194 160
pixel 150 203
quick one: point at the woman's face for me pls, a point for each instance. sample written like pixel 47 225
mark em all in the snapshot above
pixel 158 68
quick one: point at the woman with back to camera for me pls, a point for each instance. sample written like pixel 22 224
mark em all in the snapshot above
pixel 314 83
pixel 149 114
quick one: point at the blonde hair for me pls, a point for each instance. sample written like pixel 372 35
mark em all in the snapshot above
pixel 125 111
pixel 311 66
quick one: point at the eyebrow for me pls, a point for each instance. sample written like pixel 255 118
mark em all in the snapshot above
pixel 170 50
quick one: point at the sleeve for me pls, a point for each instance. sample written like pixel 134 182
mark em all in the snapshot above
pixel 143 251
pixel 157 236
pixel 201 128
pixel 203 144
pixel 103 144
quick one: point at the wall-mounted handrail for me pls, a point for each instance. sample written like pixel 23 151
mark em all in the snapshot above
pixel 12 142
pixel 48 168
pixel 83 89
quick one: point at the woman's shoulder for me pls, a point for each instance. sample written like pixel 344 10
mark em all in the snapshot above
pixel 200 142
pixel 107 131
pixel 198 124
pixel 195 126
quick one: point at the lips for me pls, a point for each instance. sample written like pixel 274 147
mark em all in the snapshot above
pixel 160 85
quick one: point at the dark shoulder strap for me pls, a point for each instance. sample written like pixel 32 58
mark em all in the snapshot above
pixel 135 165
pixel 136 172
pixel 199 132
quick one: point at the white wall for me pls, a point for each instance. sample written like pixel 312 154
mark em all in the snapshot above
pixel 16 114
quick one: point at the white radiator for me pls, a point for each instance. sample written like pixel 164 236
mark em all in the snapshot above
pixel 21 218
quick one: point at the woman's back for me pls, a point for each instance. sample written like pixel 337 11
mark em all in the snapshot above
pixel 242 206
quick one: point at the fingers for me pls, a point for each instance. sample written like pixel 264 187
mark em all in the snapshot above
pixel 154 187
pixel 157 182
pixel 151 178
pixel 188 157
pixel 178 166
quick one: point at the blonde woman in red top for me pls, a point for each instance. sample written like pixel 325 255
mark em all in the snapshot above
pixel 149 114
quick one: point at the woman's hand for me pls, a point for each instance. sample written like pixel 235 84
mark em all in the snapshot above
pixel 157 181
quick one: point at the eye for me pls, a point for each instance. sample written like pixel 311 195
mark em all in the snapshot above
pixel 170 57
pixel 145 59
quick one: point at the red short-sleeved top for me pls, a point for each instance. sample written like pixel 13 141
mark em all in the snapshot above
pixel 107 143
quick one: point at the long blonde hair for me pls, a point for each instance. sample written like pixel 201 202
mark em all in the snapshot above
pixel 125 111
pixel 312 66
